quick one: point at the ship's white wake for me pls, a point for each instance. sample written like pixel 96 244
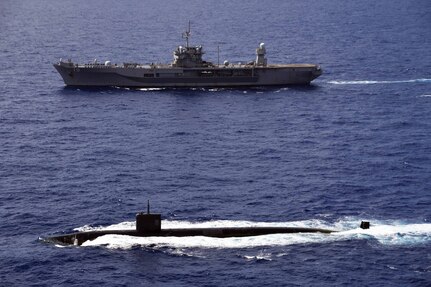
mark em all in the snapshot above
pixel 384 232
pixel 371 82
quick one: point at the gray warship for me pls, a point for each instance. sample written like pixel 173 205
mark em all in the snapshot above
pixel 188 70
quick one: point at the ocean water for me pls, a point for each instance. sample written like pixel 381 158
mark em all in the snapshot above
pixel 355 145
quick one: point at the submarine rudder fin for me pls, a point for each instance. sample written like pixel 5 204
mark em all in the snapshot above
pixel 365 225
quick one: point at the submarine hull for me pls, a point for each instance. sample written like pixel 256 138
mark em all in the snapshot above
pixel 80 237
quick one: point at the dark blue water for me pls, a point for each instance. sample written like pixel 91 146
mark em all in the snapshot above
pixel 354 145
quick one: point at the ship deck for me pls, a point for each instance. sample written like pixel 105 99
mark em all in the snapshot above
pixel 168 66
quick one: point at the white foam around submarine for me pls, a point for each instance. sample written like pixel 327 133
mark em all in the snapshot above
pixel 127 242
pixel 392 233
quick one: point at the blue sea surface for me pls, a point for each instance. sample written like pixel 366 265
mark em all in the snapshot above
pixel 354 145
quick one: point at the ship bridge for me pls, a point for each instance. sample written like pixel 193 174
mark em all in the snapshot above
pixel 189 57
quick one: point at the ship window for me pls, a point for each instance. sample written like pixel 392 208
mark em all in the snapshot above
pixel 157 75
pixel 148 75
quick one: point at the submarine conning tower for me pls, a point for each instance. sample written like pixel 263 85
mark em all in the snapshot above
pixel 147 222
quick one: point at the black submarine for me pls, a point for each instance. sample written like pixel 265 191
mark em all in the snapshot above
pixel 149 224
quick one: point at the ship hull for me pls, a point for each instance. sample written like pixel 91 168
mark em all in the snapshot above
pixel 173 77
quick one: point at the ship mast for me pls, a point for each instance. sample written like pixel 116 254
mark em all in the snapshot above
pixel 186 35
